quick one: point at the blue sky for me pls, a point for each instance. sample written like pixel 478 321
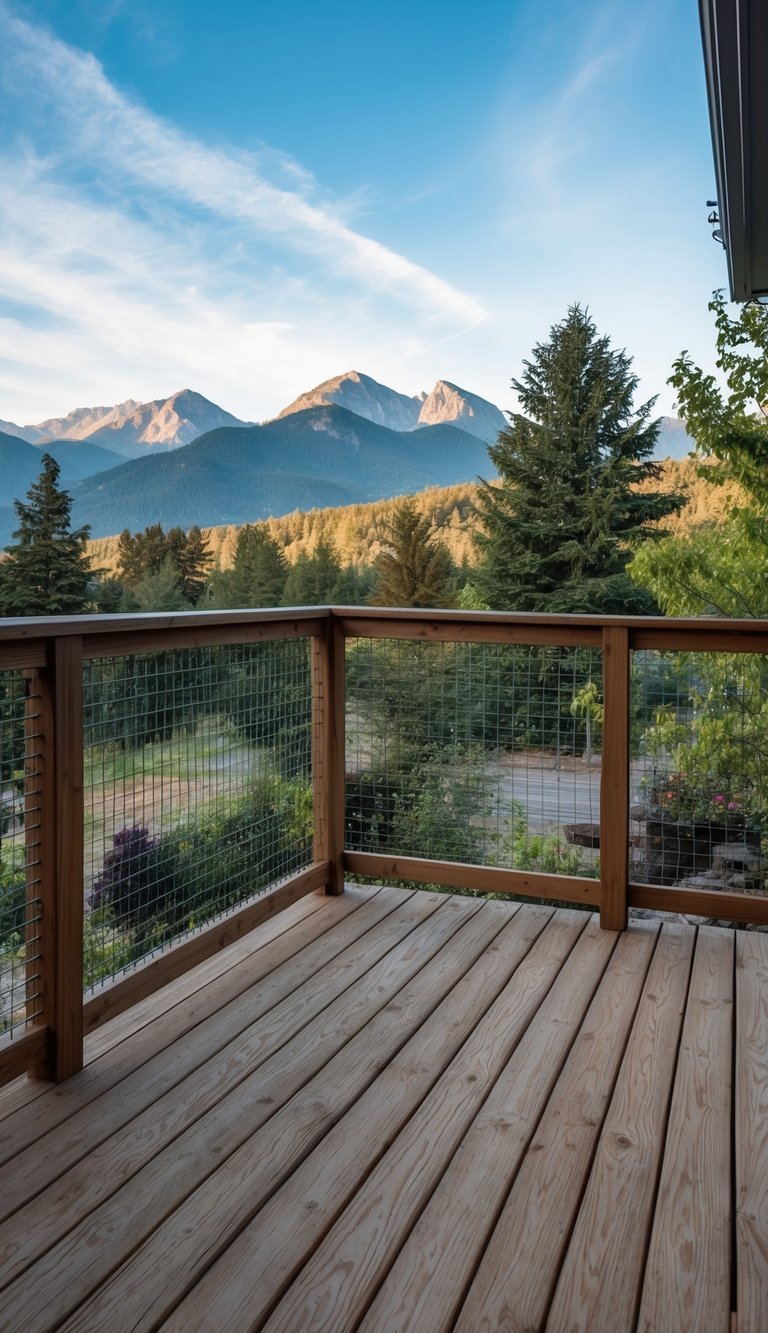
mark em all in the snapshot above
pixel 247 198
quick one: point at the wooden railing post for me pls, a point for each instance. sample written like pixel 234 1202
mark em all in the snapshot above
pixel 62 850
pixel 328 722
pixel 614 781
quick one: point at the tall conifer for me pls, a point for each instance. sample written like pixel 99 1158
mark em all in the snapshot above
pixel 557 531
pixel 47 571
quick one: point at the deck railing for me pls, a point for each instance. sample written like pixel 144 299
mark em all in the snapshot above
pixel 169 781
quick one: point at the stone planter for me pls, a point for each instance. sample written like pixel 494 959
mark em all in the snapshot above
pixel 674 851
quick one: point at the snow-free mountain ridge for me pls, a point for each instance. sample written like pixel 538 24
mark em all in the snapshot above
pixel 446 405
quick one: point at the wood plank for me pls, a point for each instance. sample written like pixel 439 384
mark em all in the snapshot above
pixel 204 636
pixel 599 1282
pixel 328 717
pixel 22 655
pixel 514 1283
pixel 688 1271
pixel 136 1071
pixel 65 1276
pixel 485 879
pixel 66 1016
pixel 40 854
pixel 702 637
pixel 115 997
pixel 427 1282
pixel 229 1045
pixel 469 630
pixel 188 985
pixel 22 1052
pixel 694 902
pixel 614 781
pixel 751 1132
pixel 250 1273
pixel 341 1275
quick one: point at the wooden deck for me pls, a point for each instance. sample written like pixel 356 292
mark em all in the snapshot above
pixel 397 1110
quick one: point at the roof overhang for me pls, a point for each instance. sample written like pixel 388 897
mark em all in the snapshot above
pixel 735 38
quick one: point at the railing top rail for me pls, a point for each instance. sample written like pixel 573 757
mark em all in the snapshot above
pixel 13 629
pixel 645 631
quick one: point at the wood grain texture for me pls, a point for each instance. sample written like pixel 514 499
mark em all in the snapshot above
pixel 115 997
pixel 465 629
pixel 751 1132
pixel 340 1277
pixel 66 1019
pixel 26 1051
pixel 694 902
pixel 599 1284
pixel 25 1126
pixel 237 1035
pixel 195 979
pixel 240 1289
pixel 513 1284
pixel 425 1286
pixel 218 1108
pixel 614 781
pixel 688 1271
pixel 328 721
pixel 160 1272
pixel 485 879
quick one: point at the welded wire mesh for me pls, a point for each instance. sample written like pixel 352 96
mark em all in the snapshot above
pixel 478 753
pixel 20 852
pixel 699 770
pixel 197 790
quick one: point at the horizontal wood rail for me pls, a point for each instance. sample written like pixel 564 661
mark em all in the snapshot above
pixel 49 653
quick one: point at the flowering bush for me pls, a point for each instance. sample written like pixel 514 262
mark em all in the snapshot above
pixel 689 801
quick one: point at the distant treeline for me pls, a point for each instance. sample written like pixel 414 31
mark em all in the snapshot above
pixel 356 531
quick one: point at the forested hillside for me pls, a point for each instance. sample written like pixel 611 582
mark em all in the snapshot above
pixel 355 530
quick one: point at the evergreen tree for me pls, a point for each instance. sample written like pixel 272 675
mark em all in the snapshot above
pixel 414 569
pixel 47 571
pixel 313 580
pixel 142 555
pixel 258 575
pixel 160 591
pixel 557 532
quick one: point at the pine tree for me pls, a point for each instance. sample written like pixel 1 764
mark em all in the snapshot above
pixel 557 531
pixel 258 575
pixel 414 569
pixel 47 571
pixel 313 580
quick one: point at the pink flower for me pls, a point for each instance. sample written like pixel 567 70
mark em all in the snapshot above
pixel 719 800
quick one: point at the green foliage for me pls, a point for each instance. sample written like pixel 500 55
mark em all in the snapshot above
pixel 47 571
pixel 258 575
pixel 423 809
pixel 13 896
pixel 159 590
pixel 713 767
pixel 163 571
pixel 414 569
pixel 721 570
pixel 269 701
pixel 557 532
pixel 153 888
pixel 312 581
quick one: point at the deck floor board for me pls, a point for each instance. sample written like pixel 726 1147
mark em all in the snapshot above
pixel 407 1111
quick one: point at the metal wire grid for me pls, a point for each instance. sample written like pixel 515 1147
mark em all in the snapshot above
pixel 197 790
pixel 699 770
pixel 476 753
pixel 20 853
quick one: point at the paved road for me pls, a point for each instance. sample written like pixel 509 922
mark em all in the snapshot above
pixel 556 797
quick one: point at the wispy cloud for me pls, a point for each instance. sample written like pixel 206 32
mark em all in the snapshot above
pixel 153 247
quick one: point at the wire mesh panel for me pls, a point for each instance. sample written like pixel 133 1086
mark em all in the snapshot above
pixel 478 753
pixel 20 852
pixel 197 790
pixel 699 770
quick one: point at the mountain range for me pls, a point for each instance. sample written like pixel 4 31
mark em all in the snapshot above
pixel 184 460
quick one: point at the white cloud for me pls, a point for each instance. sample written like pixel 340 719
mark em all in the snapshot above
pixel 146 255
